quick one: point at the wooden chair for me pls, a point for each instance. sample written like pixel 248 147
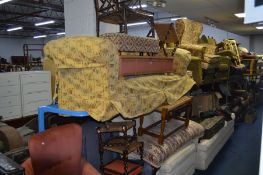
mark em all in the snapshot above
pixel 167 36
pixel 120 12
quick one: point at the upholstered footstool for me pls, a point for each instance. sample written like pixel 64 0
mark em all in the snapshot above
pixel 207 149
pixel 128 43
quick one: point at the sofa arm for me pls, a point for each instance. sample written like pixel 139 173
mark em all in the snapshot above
pixel 196 50
pixel 181 61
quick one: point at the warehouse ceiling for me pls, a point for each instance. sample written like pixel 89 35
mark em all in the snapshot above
pixel 26 13
pixel 218 13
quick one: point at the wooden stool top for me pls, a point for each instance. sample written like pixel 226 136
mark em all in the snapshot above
pixel 116 126
pixel 182 101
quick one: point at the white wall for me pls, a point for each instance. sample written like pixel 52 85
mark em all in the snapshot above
pixel 14 47
pixel 256 42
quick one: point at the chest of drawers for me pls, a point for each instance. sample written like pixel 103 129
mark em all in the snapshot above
pixel 21 93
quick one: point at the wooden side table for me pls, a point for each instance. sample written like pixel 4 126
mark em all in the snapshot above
pixel 168 112
pixel 122 145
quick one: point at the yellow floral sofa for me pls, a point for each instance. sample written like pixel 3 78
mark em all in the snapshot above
pixel 88 69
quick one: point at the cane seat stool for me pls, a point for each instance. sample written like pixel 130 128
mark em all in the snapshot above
pixel 123 145
pixel 168 112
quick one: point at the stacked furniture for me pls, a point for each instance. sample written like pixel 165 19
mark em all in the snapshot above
pixel 121 13
pixel 205 61
pixel 123 145
pixel 95 84
pixel 223 67
pixel 22 92
pixel 229 48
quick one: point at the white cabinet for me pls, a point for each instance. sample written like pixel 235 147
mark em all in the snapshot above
pixel 21 93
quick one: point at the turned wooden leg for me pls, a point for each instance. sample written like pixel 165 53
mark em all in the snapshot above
pixel 140 129
pixel 161 136
pixel 188 114
pixel 125 160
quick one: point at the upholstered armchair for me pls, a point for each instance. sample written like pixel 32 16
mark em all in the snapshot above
pixel 229 48
pixel 204 63
pixel 223 67
pixel 57 151
pixel 188 33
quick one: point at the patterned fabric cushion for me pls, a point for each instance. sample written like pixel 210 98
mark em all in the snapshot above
pixel 155 154
pixel 88 76
pixel 128 43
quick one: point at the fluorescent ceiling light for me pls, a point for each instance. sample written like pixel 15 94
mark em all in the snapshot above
pixel 260 27
pixel 240 15
pixel 174 19
pixel 40 36
pixel 137 24
pixel 137 6
pixel 61 33
pixel 4 1
pixel 45 23
pixel 13 29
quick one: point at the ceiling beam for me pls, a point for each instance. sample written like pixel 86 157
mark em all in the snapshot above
pixel 39 4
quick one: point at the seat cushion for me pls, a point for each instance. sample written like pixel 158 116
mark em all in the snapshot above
pixel 180 161
pixel 212 126
pixel 128 43
pixel 155 154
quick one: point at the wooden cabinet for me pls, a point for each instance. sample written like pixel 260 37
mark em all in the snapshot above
pixel 22 92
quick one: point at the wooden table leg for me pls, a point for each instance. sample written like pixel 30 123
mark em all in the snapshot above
pixel 188 113
pixel 161 136
pixel 140 129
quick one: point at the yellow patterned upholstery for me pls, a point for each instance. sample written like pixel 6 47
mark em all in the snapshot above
pixel 128 43
pixel 223 62
pixel 88 69
pixel 231 50
pixel 188 33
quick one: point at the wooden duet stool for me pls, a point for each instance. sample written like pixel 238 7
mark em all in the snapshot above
pixel 173 111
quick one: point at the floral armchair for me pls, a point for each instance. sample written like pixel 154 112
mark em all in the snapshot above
pixel 204 57
pixel 222 72
pixel 229 48
pixel 188 33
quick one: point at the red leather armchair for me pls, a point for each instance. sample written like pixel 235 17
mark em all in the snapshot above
pixel 57 151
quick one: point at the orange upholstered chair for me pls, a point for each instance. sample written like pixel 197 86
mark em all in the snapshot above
pixel 57 151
